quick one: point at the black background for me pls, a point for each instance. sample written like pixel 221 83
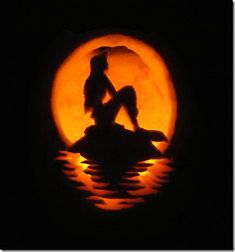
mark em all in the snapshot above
pixel 194 211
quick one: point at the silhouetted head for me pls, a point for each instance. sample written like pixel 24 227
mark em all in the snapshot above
pixel 99 62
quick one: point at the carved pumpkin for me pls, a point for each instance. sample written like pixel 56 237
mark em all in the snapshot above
pixel 131 61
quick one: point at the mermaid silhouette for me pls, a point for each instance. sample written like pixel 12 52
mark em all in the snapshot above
pixel 107 141
pixel 95 90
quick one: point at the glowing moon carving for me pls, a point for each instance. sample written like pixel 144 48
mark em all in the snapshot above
pixel 132 62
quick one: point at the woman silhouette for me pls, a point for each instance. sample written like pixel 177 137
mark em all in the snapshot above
pixel 99 146
pixel 95 90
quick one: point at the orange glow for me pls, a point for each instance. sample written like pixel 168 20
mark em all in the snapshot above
pixel 131 62
pixel 137 64
pixel 150 182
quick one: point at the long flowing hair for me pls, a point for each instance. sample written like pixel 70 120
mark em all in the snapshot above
pixel 93 90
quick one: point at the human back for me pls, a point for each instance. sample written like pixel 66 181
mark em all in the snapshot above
pixel 94 90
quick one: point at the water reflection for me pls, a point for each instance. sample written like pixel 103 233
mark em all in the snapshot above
pixel 138 181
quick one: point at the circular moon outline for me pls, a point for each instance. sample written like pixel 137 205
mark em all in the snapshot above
pixel 141 66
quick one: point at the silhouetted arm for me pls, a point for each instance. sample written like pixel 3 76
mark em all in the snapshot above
pixel 109 86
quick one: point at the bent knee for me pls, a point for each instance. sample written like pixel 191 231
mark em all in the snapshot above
pixel 127 91
pixel 128 88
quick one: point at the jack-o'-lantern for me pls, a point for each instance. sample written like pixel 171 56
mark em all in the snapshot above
pixel 132 63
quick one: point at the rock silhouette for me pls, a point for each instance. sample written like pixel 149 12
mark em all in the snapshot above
pixel 117 149
pixel 117 144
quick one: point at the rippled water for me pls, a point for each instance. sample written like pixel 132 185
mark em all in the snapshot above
pixel 138 181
